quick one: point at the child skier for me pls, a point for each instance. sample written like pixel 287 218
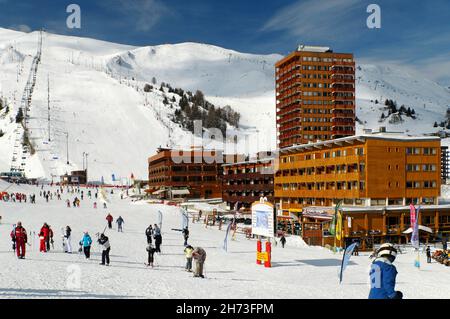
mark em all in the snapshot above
pixel 109 219
pixel 120 222
pixel 151 255
pixel 86 243
pixel 383 274
pixel 188 253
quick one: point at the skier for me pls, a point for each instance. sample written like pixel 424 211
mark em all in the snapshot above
pixel 86 243
pixel 43 238
pixel 199 254
pixel 188 253
pixel 151 254
pixel 283 240
pixel 95 205
pixel 66 240
pixel 110 219
pixel 119 222
pixel 19 238
pixel 383 274
pixel 158 238
pixel 49 238
pixel 428 254
pixel 149 233
pixel 104 241
pixel 186 236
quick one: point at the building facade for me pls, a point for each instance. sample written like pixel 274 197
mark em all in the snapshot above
pixel 378 169
pixel 246 182
pixel 197 171
pixel 444 164
pixel 315 93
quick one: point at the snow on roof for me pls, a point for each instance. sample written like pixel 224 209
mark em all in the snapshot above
pixel 313 48
pixel 362 138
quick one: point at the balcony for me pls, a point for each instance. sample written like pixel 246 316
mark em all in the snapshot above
pixel 343 133
pixel 249 188
pixel 247 176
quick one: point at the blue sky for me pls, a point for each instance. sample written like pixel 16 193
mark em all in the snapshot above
pixel 415 34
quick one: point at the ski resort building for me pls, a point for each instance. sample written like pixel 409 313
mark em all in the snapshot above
pixel 372 226
pixel 75 178
pixel 377 169
pixel 315 93
pixel 192 174
pixel 246 182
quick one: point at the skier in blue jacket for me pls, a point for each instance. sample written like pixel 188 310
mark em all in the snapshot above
pixel 86 243
pixel 383 274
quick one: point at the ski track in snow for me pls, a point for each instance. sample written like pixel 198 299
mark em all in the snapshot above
pixel 298 271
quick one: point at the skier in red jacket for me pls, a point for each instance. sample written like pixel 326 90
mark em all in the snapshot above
pixel 109 218
pixel 19 237
pixel 43 238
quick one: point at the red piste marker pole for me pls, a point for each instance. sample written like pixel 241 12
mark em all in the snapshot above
pixel 268 263
pixel 258 249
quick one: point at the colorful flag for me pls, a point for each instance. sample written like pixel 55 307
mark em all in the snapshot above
pixel 339 226
pixel 346 259
pixel 184 219
pixel 415 234
pixel 412 214
pixel 225 242
pixel 160 218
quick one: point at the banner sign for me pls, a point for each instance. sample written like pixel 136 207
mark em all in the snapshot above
pixel 262 219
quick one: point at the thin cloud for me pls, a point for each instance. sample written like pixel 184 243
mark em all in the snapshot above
pixel 323 20
pixel 19 27
pixel 144 14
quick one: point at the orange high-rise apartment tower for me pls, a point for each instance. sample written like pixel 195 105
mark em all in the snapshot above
pixel 315 90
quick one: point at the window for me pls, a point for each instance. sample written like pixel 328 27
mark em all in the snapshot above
pixel 412 151
pixel 429 168
pixel 412 168
pixel 429 151
pixel 359 151
pixel 412 184
pixel 429 184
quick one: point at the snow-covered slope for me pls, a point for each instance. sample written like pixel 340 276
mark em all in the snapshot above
pixel 298 271
pixel 381 82
pixel 96 94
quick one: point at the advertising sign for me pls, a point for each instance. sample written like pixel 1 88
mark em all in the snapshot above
pixel 262 219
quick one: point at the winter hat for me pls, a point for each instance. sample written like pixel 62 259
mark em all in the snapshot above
pixel 387 250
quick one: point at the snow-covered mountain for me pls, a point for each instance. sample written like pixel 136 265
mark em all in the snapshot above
pixel 97 97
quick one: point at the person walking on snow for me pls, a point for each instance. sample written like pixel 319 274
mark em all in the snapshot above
pixel 158 238
pixel 104 241
pixel 188 253
pixel 185 236
pixel 86 243
pixel 120 222
pixel 383 274
pixel 199 254
pixel 66 240
pixel 43 238
pixel 149 233
pixel 151 254
pixel 19 238
pixel 283 241
pixel 49 238
pixel 428 255
pixel 110 219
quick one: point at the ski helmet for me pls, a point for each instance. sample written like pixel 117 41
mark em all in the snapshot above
pixel 387 250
